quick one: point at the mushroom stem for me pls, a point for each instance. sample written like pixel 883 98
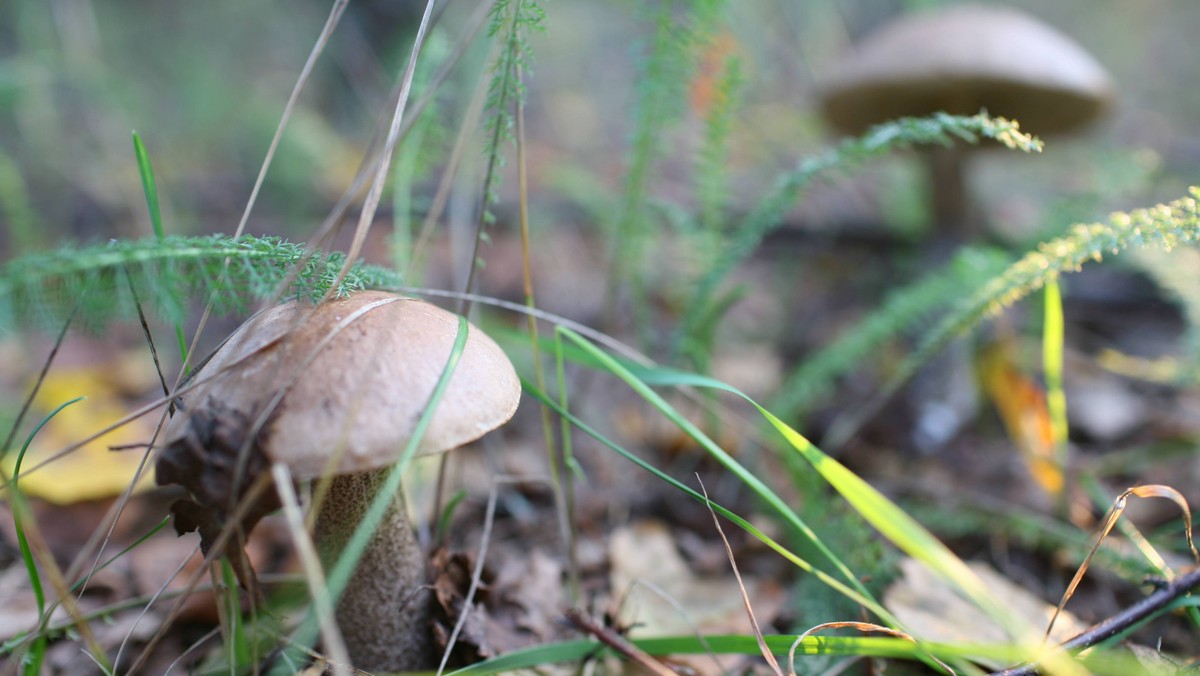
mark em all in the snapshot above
pixel 383 614
pixel 948 190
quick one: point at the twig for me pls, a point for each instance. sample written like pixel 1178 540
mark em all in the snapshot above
pixel 477 573
pixel 310 565
pixel 37 384
pixel 758 635
pixel 367 214
pixel 617 642
pixel 1118 623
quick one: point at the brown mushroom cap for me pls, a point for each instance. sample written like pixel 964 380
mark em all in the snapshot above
pixel 360 392
pixel 965 59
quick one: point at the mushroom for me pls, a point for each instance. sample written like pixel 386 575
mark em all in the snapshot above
pixel 336 390
pixel 962 60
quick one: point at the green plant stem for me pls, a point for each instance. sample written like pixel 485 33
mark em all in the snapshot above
pixel 21 524
pixel 563 498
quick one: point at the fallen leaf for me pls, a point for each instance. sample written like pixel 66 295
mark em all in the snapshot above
pixel 1021 403
pixel 93 471
pixel 931 609
pixel 645 553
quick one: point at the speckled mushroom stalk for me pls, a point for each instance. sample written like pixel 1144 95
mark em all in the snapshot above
pixel 342 386
pixel 391 635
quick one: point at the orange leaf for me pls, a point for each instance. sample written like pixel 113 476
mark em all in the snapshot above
pixel 1021 402
pixel 93 471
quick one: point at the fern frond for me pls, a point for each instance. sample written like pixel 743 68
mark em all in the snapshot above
pixel 1181 280
pixel 511 21
pixel 665 66
pixel 98 284
pixel 712 179
pixel 939 128
pixel 902 314
pixel 1164 226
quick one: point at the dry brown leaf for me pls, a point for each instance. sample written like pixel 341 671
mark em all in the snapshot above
pixel 511 611
pixel 19 604
pixel 931 609
pixel 646 566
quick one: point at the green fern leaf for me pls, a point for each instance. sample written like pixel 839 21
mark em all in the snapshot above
pixel 100 283
pixel 917 305
pixel 939 128
pixel 1164 226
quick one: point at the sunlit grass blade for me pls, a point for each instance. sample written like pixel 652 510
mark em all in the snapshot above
pixel 1164 226
pixel 891 521
pixel 852 593
pixel 799 562
pixel 885 647
pixel 755 484
pixel 1052 367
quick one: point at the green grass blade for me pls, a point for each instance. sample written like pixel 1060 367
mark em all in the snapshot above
pixel 755 484
pixel 891 521
pixel 1164 226
pixel 150 187
pixel 1052 367
pixel 19 508
pixel 873 646
pixel 852 594
pixel 904 312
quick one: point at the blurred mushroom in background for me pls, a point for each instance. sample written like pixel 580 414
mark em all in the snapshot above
pixel 961 60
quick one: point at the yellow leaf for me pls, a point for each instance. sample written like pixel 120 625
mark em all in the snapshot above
pixel 93 471
pixel 1021 403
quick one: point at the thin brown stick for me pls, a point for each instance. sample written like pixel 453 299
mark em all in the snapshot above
pixel 560 477
pixel 489 175
pixel 371 157
pixel 1114 513
pixel 310 565
pixel 758 635
pixel 255 490
pixel 617 642
pixel 367 216
pixel 441 196
pixel 108 525
pixel 37 385
pixel 335 16
pixel 1122 621
pixel 485 539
